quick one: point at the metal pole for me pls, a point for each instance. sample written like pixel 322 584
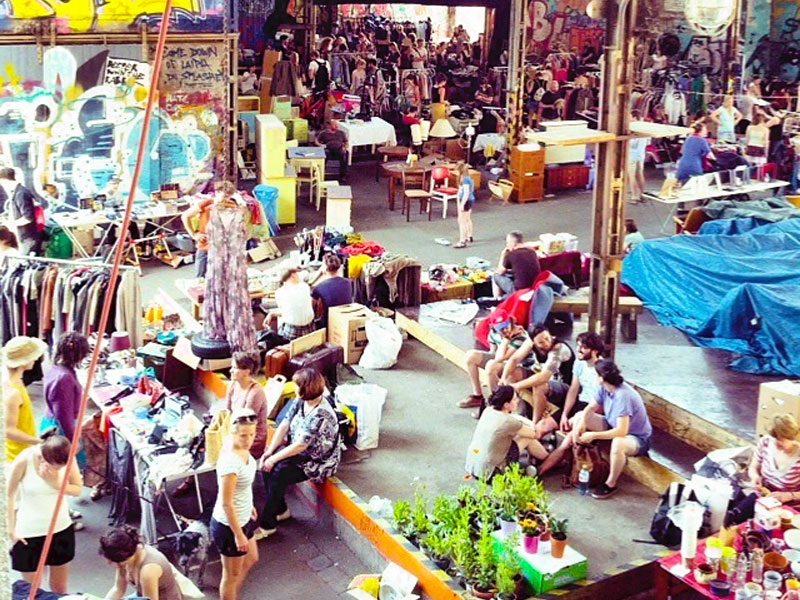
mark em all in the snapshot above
pixel 608 200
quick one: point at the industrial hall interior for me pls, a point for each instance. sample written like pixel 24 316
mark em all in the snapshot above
pixel 456 300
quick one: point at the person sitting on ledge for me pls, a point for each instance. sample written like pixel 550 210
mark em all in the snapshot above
pixel 501 436
pixel 505 338
pixel 624 421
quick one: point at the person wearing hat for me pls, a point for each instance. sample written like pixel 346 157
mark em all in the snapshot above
pixel 505 338
pixel 19 355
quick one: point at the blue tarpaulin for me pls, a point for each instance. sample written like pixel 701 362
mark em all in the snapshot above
pixel 738 292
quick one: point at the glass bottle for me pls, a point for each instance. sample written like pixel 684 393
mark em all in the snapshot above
pixel 757 565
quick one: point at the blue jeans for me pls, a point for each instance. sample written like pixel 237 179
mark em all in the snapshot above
pixel 201 258
pixel 505 283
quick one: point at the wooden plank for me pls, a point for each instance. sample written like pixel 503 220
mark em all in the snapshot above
pixel 651 474
pixel 307 342
pixel 657 130
pixel 554 139
pixel 444 348
pixel 688 427
pixel 580 304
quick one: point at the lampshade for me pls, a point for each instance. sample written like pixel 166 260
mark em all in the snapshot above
pixel 425 129
pixel 442 129
pixel 710 17
pixel 120 340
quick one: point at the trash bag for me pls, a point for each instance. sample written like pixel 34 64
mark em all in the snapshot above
pixel 662 529
pixel 366 401
pixel 384 341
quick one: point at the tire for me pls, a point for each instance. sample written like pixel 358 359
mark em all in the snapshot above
pixel 210 349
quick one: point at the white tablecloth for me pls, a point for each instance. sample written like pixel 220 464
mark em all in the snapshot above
pixel 377 132
pixel 496 140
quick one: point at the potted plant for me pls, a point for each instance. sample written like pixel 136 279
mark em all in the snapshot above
pixel 531 530
pixel 506 573
pixel 437 545
pixel 482 584
pixel 502 495
pixel 401 512
pixel 558 537
pixel 419 517
pixel 464 552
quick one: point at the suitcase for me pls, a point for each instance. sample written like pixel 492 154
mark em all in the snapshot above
pixel 323 358
pixel 275 361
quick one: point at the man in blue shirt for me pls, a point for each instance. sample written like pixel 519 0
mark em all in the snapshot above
pixel 332 290
pixel 617 413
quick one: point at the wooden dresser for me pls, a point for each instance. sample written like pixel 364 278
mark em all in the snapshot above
pixel 526 171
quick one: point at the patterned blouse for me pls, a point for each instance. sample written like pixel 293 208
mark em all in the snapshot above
pixel 319 429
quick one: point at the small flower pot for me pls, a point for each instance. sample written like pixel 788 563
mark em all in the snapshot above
pixel 483 594
pixel 508 528
pixel 519 585
pixel 557 546
pixel 530 543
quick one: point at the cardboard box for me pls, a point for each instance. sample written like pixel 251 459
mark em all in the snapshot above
pixel 347 328
pixel 776 398
pixel 462 288
pixel 543 572
pixel 85 237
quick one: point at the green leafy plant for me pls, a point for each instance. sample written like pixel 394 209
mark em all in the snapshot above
pixel 401 512
pixel 559 528
pixel 507 568
pixel 437 543
pixel 486 561
pixel 445 511
pixel 464 551
pixel 420 522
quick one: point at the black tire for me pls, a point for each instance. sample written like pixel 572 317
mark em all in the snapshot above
pixel 210 349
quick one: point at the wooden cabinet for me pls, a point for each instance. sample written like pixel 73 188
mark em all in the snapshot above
pixel 526 171
pixel 270 146
pixel 564 177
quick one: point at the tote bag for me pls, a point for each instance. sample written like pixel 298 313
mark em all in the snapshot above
pixel 216 433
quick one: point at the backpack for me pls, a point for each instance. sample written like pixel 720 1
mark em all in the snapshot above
pixel 662 529
pixel 582 454
pixel 322 78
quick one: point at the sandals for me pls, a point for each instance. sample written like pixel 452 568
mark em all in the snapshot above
pixel 471 401
pixel 460 245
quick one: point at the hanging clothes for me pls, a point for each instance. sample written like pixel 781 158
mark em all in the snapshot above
pixel 283 79
pixel 227 311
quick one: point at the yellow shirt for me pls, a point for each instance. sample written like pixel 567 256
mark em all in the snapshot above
pixel 25 423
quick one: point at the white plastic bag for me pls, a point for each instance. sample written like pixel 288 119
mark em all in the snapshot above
pixel 367 401
pixel 384 341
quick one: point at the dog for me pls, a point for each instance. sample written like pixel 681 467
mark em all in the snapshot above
pixel 192 546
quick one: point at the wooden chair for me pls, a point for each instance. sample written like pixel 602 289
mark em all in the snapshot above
pixel 691 222
pixel 441 189
pixel 415 188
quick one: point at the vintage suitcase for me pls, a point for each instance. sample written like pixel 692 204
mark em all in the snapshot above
pixel 275 361
pixel 323 358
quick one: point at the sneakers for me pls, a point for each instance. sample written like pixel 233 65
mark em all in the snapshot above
pixel 75 515
pixel 603 491
pixel 287 514
pixel 471 401
pixel 262 533
pixel 78 525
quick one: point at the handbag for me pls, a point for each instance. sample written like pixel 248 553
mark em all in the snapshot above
pixel 662 529
pixel 589 455
pixel 273 391
pixel 216 433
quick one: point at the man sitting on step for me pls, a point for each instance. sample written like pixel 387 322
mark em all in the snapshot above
pixel 616 413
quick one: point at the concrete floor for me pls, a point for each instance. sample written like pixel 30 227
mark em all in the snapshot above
pixel 416 449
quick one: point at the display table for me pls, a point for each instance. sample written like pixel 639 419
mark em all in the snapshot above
pixel 152 472
pixel 375 132
pixel 386 153
pixel 484 140
pixel 301 157
pixel 461 289
pixel 394 171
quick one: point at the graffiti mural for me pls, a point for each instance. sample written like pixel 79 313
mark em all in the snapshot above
pixel 55 130
pixel 561 24
pixel 78 16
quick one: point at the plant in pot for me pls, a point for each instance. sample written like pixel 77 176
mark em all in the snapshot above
pixel 401 512
pixel 531 530
pixel 504 575
pixel 504 501
pixel 463 550
pixel 437 545
pixel 482 583
pixel 445 511
pixel 420 523
pixel 558 537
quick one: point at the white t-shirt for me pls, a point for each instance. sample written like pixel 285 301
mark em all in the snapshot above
pixel 588 378
pixel 230 464
pixel 37 499
pixel 294 304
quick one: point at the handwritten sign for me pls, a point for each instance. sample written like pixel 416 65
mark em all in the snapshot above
pixel 123 71
pixel 193 67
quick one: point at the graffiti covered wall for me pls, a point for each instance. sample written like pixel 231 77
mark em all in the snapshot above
pixel 561 24
pixel 79 16
pixel 69 121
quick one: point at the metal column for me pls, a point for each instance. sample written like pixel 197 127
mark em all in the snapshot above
pixel 608 200
pixel 516 70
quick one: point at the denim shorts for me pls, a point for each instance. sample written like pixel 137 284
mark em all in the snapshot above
pixel 643 442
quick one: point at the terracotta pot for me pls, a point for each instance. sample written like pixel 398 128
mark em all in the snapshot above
pixel 530 543
pixel 479 594
pixel 519 585
pixel 557 547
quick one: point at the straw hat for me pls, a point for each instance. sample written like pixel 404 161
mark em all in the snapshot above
pixel 22 350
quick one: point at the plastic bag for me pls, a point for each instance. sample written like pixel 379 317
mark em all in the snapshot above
pixel 366 401
pixel 384 341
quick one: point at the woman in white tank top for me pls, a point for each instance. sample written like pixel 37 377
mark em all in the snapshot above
pixel 33 485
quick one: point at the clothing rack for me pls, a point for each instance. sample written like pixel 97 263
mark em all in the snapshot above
pixel 63 261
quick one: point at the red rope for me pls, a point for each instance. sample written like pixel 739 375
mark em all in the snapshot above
pixel 151 96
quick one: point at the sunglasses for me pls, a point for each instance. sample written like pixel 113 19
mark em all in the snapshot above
pixel 245 419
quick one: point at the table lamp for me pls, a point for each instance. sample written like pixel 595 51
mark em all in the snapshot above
pixel 442 129
pixel 120 340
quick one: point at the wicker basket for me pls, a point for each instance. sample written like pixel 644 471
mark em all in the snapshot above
pixel 501 188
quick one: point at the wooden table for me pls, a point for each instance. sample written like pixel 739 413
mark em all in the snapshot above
pixel 389 152
pixel 394 170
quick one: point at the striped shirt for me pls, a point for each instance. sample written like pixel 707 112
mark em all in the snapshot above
pixel 786 479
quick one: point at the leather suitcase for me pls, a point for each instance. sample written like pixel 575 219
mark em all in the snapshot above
pixel 275 361
pixel 323 358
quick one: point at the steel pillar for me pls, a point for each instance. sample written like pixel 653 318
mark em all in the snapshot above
pixel 608 200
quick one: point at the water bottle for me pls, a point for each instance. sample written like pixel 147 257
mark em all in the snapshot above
pixel 583 480
pixel 740 574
